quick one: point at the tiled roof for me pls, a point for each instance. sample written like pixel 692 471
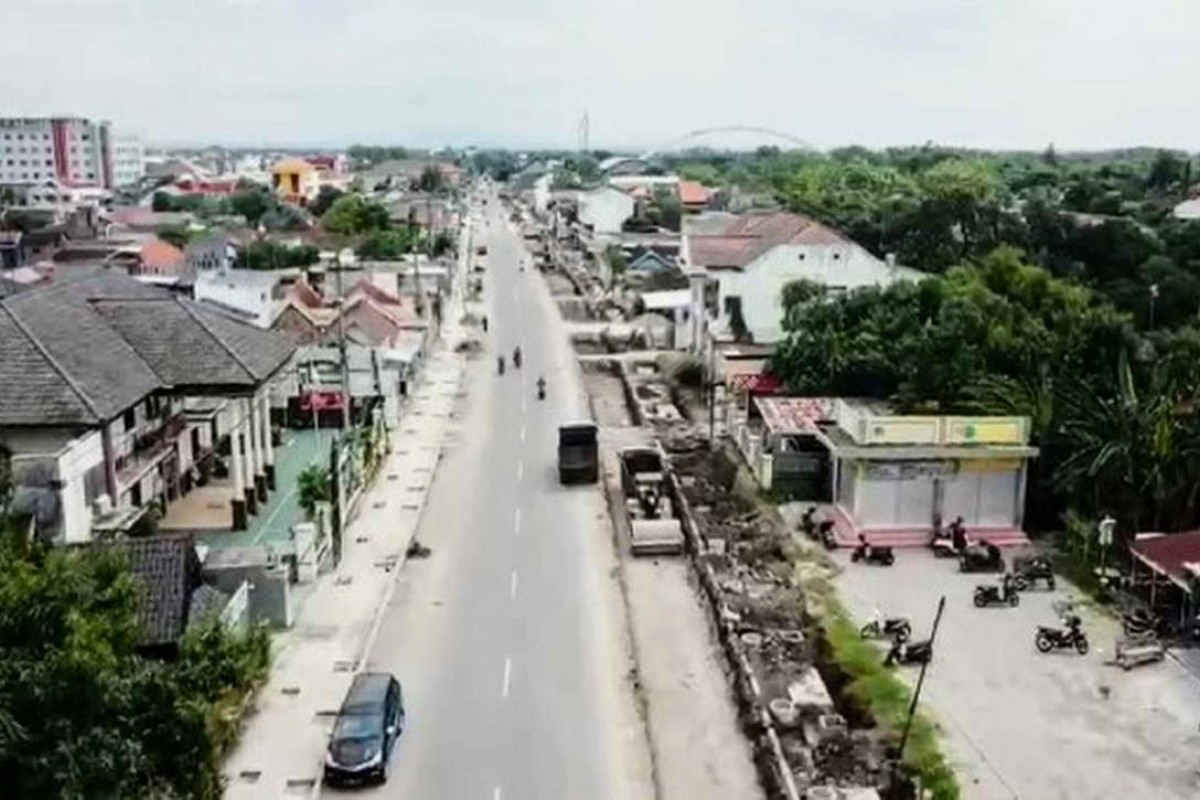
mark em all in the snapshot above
pixel 693 193
pixel 84 349
pixel 161 257
pixel 166 571
pixel 736 240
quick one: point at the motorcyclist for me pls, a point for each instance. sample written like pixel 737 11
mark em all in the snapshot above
pixel 517 356
pixel 485 323
pixel 500 364
pixel 541 387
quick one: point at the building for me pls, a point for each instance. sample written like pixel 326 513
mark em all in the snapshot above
pixel 623 166
pixel 1187 210
pixel 739 265
pixel 891 477
pixel 404 173
pixel 605 210
pixel 212 252
pixel 295 180
pixel 694 196
pixel 254 296
pixel 96 373
pixel 129 159
pixel 70 150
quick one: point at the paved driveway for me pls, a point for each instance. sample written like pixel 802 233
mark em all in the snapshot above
pixel 1020 724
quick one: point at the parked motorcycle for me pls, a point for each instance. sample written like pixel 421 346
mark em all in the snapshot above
pixel 1048 639
pixel 942 544
pixel 828 537
pixel 909 653
pixel 1028 570
pixel 990 594
pixel 873 554
pixel 879 626
pixel 982 557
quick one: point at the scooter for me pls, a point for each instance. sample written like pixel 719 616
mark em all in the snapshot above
pixel 872 554
pixel 988 594
pixel 942 545
pixel 1048 639
pixel 909 653
pixel 879 626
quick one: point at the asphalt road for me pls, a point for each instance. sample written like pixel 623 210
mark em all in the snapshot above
pixel 508 638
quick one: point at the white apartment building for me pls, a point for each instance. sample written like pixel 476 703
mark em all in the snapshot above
pixel 69 150
pixel 129 159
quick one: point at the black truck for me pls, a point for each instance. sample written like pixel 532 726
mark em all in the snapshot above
pixel 578 453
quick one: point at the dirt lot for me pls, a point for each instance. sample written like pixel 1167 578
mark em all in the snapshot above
pixel 1020 724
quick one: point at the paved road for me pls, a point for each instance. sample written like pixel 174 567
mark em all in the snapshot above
pixel 508 639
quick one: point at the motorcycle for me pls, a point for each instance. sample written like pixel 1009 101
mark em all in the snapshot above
pixel 500 365
pixel 808 524
pixel 873 554
pixel 942 544
pixel 983 557
pixel 541 389
pixel 909 653
pixel 517 358
pixel 826 534
pixel 1048 639
pixel 987 594
pixel 879 626
pixel 1027 571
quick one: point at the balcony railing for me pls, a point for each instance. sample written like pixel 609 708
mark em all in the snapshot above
pixel 148 449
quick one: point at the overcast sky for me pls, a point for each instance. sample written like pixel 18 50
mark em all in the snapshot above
pixel 998 73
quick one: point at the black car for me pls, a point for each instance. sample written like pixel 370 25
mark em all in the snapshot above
pixel 366 730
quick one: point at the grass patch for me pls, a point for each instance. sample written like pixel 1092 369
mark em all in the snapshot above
pixel 886 698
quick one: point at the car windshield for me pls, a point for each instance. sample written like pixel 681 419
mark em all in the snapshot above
pixel 358 726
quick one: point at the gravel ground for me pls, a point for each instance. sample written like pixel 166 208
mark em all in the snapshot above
pixel 1019 724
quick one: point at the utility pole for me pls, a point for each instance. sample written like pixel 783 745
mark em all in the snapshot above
pixel 712 395
pixel 341 319
pixel 912 706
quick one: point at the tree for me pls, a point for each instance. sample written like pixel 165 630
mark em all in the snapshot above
pixel 354 214
pixel 430 179
pixel 252 204
pixel 83 714
pixel 265 254
pixel 389 245
pixel 444 242
pixel 314 486
pixel 177 235
pixel 162 201
pixel 326 197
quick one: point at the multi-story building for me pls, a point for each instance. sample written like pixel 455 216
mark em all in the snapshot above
pixel 69 150
pixel 129 159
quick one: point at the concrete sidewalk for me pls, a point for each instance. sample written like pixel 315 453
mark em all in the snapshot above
pixel 283 741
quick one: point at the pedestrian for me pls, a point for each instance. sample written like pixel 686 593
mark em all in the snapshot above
pixel 485 323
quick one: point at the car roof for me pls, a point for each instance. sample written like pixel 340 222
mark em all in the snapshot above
pixel 368 688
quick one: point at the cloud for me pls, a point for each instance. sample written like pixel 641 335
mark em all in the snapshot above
pixel 1080 73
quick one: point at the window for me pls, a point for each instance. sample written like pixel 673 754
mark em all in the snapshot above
pixel 802 256
pixel 49 163
pixel 130 419
pixel 733 305
pixel 837 256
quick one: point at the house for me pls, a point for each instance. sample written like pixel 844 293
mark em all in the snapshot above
pixel 605 209
pixel 694 196
pixel 650 261
pixel 424 211
pixel 160 258
pixel 295 180
pixel 254 296
pixel 172 594
pixel 623 165
pixel 138 219
pixel 739 265
pixel 1187 210
pixel 212 252
pixel 403 173
pixel 96 370
pixel 890 477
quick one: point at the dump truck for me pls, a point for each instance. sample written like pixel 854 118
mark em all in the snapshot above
pixel 578 453
pixel 654 527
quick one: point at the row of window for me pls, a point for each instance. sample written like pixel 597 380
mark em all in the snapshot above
pixel 75 151
pixel 37 176
pixel 43 137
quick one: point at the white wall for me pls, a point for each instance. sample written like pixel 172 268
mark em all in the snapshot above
pixel 760 283
pixel 71 457
pixel 254 299
pixel 605 209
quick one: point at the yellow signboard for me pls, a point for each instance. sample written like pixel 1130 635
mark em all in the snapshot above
pixel 985 430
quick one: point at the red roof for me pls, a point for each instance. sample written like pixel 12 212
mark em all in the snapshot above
pixel 745 237
pixel 214 186
pixel 788 415
pixel 693 193
pixel 1169 552
pixel 161 258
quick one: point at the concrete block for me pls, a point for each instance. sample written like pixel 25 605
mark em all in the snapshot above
pixel 809 693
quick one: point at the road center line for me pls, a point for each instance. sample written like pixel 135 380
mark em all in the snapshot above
pixel 512 585
pixel 507 677
pixel 496 795
pixel 522 433
pixel 517 521
pixel 520 469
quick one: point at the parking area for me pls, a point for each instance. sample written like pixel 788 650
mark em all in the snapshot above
pixel 1020 724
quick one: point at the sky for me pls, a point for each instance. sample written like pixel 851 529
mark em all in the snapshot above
pixel 1082 74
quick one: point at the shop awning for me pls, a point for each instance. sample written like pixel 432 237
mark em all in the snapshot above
pixel 1175 556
